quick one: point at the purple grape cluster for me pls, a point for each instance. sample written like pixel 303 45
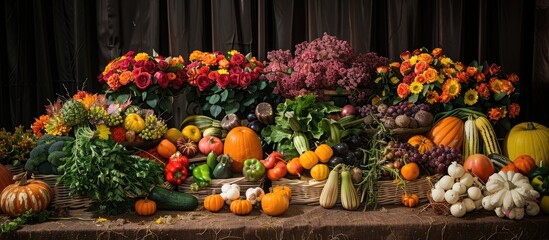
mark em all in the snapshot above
pixel 439 158
pixel 401 108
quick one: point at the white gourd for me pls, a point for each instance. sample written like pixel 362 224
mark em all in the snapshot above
pixel 469 204
pixel 467 179
pixel 499 212
pixel 458 210
pixel 437 194
pixel 451 196
pixel 510 195
pixel 459 188
pixel 487 203
pixel 455 170
pixel 474 193
pixel 446 182
pixel 478 204
pixel 532 208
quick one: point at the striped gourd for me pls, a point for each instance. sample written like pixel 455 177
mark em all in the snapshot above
pixel 488 135
pixel 499 161
pixel 471 143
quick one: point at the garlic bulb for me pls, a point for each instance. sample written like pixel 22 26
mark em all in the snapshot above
pixel 455 170
pixel 437 194
pixel 458 210
pixel 451 196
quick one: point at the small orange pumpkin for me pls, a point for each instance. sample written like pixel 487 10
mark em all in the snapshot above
pixel 324 152
pixel 448 132
pixel 5 177
pixel 423 143
pixel 410 200
pixel 274 204
pixel 525 164
pixel 242 143
pixel 25 195
pixel 510 167
pixel 145 207
pixel 214 202
pixel 166 148
pixel 308 159
pixel 241 207
pixel 287 191
pixel 410 171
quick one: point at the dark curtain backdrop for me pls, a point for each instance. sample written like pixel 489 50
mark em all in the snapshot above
pixel 55 47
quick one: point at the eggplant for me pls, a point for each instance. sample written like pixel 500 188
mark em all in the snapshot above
pixel 341 149
pixel 334 161
pixel 256 126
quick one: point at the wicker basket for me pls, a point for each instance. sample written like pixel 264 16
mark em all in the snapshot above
pixel 61 198
pixel 216 185
pixel 307 192
pixel 14 170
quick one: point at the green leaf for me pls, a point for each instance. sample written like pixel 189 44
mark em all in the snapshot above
pixel 499 96
pixel 232 107
pixel 224 95
pixel 122 98
pixel 252 88
pixel 215 110
pixel 165 104
pixel 413 98
pixel 249 100
pixel 262 85
pixel 216 89
pixel 152 101
pixel 144 95
pixel 214 99
pixel 425 89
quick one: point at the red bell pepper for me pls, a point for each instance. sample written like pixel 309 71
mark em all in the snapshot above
pixel 175 173
pixel 272 159
pixel 178 157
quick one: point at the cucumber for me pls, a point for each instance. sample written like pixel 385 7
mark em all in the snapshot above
pixel 172 200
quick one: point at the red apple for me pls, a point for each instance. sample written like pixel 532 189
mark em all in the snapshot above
pixel 210 143
pixel 348 110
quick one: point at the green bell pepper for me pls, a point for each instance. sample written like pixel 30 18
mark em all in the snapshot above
pixel 253 169
pixel 201 175
pixel 223 168
pixel 539 179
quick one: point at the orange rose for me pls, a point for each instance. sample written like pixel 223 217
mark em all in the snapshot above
pixel 430 75
pixel 382 69
pixel 421 67
pixel 496 114
pixel 395 65
pixel 405 67
pixel 209 59
pixel 480 77
pixel 196 55
pixel 425 57
pixel 113 82
pixel 171 76
pixel 405 56
pixel 416 52
pixel 462 76
pixel 513 78
pixel 483 90
pixel 420 78
pixel 224 63
pixel 514 110
pixel 495 85
pixel 437 52
pixel 126 77
pixel 507 87
pixel 403 90
pixel 471 71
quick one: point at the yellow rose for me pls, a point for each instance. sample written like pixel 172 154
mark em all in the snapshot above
pixel 141 57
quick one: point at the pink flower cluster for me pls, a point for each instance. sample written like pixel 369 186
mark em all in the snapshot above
pixel 322 64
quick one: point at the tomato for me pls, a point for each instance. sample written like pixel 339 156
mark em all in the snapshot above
pixel 480 165
pixel 210 143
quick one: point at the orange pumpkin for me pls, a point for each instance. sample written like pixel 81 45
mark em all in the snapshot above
pixel 166 148
pixel 242 143
pixel 5 177
pixel 274 204
pixel 308 159
pixel 410 171
pixel 324 152
pixel 25 195
pixel 510 167
pixel 287 191
pixel 448 132
pixel 525 164
pixel 214 202
pixel 145 207
pixel 241 207
pixel 423 143
pixel 410 200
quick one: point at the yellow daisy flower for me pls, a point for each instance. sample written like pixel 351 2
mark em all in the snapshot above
pixel 413 60
pixel 446 61
pixel 222 71
pixel 471 97
pixel 416 87
pixel 103 131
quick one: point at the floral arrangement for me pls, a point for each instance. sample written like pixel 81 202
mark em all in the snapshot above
pixel 325 63
pixel 226 83
pixel 121 122
pixel 15 147
pixel 149 81
pixel 445 84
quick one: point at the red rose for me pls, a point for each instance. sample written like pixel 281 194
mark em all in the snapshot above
pixel 125 64
pixel 223 81
pixel 494 69
pixel 421 67
pixel 129 54
pixel 235 70
pixel 162 79
pixel 203 82
pixel 213 75
pixel 143 80
pixel 405 56
pixel 238 59
pixel 233 80
pixel 163 65
pixel 177 83
pixel 204 69
pixel 100 78
pixel 408 79
pixel 149 67
pixel 244 79
pixel 136 72
pixel 139 64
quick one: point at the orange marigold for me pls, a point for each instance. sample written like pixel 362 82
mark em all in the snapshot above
pixel 462 76
pixel 79 95
pixel 483 90
pixel 444 97
pixel 496 114
pixel 88 100
pixel 480 77
pixel 432 97
pixel 171 76
pixel 514 110
pixel 39 125
pixel 471 71
pixel 114 82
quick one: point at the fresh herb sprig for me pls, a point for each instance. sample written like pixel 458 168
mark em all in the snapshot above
pixel 25 218
pixel 106 172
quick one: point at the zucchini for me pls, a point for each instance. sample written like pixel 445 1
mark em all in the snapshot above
pixel 172 200
pixel 499 160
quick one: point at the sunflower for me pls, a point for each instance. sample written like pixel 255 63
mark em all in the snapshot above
pixel 471 97
pixel 432 97
pixel 103 131
pixel 453 87
pixel 416 87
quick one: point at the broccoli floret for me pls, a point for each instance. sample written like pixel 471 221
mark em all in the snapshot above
pixel 41 149
pixel 45 168
pixel 56 146
pixel 55 158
